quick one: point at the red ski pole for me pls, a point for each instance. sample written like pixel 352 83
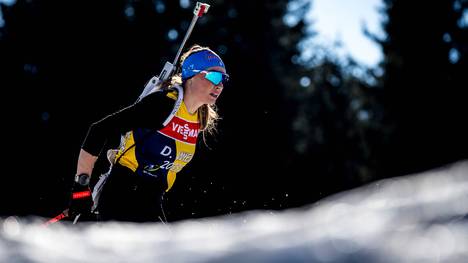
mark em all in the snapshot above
pixel 59 217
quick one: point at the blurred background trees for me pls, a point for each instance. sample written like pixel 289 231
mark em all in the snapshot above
pixel 425 83
pixel 295 129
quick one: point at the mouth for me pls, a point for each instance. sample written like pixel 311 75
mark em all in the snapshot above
pixel 214 95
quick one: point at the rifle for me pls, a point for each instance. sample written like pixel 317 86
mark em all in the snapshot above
pixel 169 68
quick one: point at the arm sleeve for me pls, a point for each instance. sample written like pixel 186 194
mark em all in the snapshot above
pixel 150 112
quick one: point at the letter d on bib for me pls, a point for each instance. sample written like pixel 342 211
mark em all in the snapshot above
pixel 166 151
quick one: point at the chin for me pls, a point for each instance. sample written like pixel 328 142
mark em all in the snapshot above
pixel 211 100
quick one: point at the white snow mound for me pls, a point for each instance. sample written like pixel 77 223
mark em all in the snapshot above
pixel 414 218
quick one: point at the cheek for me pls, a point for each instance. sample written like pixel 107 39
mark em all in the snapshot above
pixel 209 87
pixel 199 86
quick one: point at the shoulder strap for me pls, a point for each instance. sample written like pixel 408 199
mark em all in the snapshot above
pixel 111 156
pixel 180 97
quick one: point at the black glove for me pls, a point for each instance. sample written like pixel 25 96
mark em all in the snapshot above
pixel 81 200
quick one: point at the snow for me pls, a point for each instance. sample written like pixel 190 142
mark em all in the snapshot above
pixel 413 218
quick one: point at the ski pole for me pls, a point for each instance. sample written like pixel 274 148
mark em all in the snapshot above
pixel 59 217
pixel 169 68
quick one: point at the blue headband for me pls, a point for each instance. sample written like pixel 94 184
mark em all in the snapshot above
pixel 200 61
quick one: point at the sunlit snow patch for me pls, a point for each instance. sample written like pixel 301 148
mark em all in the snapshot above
pixel 417 218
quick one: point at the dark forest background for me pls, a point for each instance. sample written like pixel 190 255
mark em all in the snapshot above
pixel 294 129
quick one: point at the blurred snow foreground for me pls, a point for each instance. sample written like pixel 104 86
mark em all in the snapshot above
pixel 415 218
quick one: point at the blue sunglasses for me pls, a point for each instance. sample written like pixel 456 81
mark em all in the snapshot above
pixel 215 77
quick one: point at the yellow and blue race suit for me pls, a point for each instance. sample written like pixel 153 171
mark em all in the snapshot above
pixel 153 151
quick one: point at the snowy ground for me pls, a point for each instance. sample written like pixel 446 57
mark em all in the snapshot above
pixel 418 218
